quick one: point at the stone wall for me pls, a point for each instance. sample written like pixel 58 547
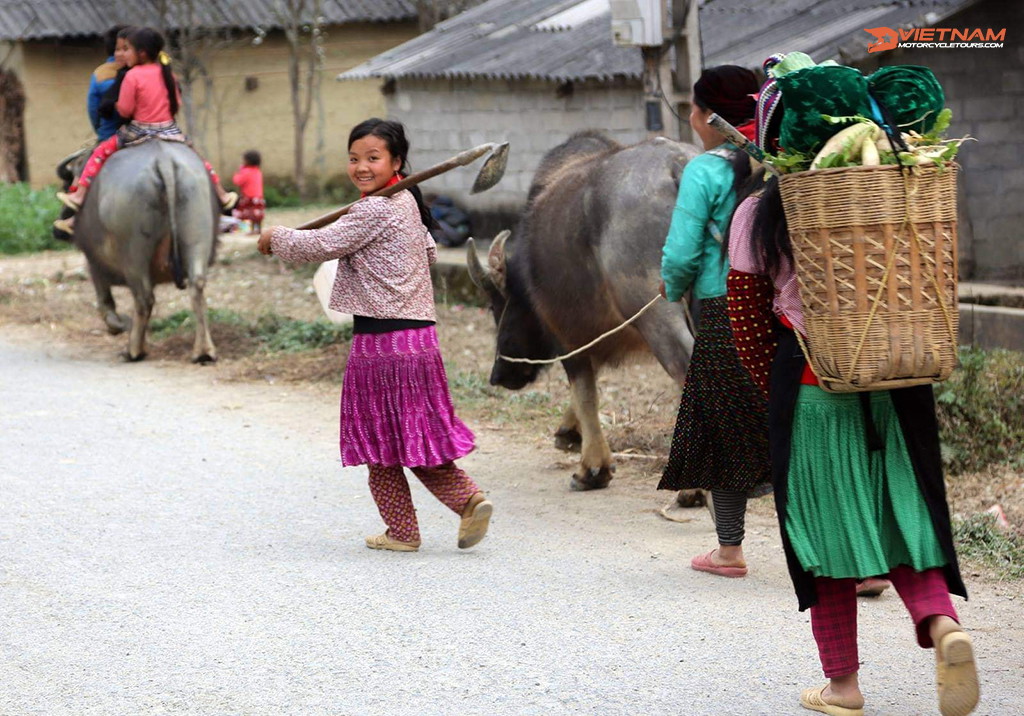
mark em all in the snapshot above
pixel 445 117
pixel 985 90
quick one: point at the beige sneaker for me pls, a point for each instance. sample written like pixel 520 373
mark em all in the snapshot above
pixel 476 516
pixel 384 541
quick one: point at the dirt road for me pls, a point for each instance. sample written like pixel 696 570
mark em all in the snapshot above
pixel 174 544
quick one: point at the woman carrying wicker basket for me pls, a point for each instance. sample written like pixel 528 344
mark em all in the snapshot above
pixel 720 441
pixel 858 483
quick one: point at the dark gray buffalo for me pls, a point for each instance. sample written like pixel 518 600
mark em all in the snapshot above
pixel 586 256
pixel 150 217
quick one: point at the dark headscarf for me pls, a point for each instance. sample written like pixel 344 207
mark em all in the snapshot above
pixel 727 90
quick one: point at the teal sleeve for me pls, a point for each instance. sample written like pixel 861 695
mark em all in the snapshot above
pixel 681 257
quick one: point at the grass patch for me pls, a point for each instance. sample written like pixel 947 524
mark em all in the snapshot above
pixel 979 540
pixel 981 411
pixel 472 391
pixel 26 218
pixel 271 333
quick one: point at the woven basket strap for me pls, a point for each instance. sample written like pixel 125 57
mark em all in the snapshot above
pixel 916 237
pixel 933 275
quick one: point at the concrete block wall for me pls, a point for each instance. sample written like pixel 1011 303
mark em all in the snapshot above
pixel 985 90
pixel 444 117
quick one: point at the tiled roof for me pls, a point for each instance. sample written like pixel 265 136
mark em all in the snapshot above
pixel 36 19
pixel 571 39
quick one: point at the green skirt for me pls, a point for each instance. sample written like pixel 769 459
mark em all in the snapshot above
pixel 852 512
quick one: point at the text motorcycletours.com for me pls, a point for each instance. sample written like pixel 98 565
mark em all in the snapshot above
pixel 935 38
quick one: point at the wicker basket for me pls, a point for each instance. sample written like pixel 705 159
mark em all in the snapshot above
pixel 875 250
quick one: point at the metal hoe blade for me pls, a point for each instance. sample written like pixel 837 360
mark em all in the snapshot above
pixel 493 169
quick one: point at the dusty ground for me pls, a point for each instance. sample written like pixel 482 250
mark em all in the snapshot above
pixel 51 293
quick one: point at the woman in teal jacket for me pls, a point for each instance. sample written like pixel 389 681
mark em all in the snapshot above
pixel 720 442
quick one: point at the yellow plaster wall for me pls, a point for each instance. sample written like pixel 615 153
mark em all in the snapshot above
pixel 230 120
pixel 56 82
pixel 262 119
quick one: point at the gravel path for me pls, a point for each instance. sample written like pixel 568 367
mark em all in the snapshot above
pixel 174 545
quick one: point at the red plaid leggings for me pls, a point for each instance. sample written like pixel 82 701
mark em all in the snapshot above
pixel 102 153
pixel 834 617
pixel 390 490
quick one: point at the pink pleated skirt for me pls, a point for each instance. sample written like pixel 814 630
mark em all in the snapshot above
pixel 395 405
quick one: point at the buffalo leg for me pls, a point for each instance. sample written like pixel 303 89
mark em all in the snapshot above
pixel 105 305
pixel 203 350
pixel 142 292
pixel 596 461
pixel 568 437
pixel 665 330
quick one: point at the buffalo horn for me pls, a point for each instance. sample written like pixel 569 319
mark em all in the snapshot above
pixel 477 273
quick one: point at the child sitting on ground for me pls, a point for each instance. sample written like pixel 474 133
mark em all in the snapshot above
pixel 249 180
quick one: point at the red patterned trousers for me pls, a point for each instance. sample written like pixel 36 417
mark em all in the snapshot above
pixel 834 617
pixel 390 490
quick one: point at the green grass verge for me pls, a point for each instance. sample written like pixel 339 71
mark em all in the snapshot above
pixel 26 218
pixel 979 540
pixel 981 411
pixel 271 332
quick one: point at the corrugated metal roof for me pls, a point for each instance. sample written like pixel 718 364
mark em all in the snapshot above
pixel 36 19
pixel 500 38
pixel 745 32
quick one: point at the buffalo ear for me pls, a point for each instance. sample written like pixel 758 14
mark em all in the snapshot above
pixel 496 260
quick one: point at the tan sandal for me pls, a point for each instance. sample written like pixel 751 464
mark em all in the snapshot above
pixel 384 541
pixel 476 516
pixel 69 200
pixel 956 676
pixel 65 225
pixel 812 699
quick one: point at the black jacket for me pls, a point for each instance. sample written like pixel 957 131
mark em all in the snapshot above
pixel 915 408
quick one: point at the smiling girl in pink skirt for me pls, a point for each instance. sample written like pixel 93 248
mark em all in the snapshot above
pixel 396 411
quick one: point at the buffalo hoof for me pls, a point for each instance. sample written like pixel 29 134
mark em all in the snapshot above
pixel 596 478
pixel 568 439
pixel 116 323
pixel 204 359
pixel 128 357
pixel 691 498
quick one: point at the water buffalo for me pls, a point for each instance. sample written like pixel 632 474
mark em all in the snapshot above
pixel 150 217
pixel 584 257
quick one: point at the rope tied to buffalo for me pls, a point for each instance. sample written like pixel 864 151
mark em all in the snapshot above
pixel 590 345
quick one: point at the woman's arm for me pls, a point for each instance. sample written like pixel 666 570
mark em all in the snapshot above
pixel 680 260
pixel 749 304
pixel 364 224
pixel 750 293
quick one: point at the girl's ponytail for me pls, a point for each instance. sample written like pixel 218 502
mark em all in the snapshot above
pixel 172 87
pixel 425 216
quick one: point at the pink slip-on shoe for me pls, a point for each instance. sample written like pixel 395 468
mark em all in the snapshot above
pixel 704 563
